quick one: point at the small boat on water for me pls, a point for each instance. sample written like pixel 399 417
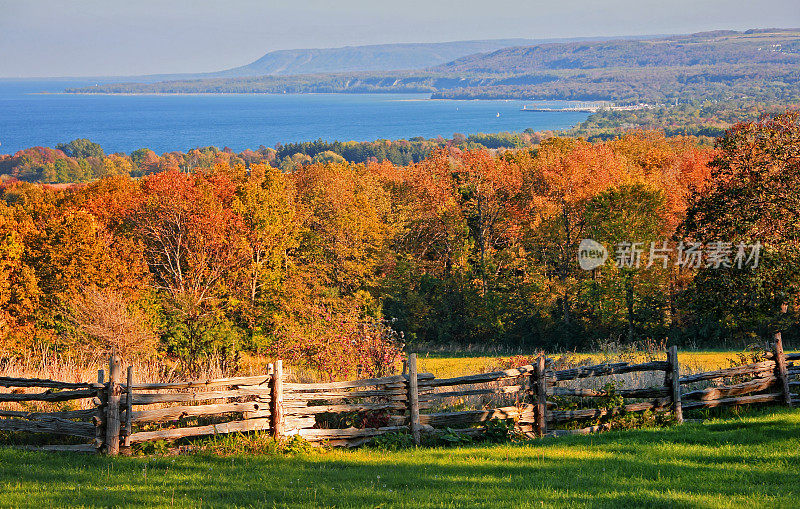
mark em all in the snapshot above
pixel 498 113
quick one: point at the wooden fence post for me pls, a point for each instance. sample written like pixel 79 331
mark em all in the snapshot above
pixel 112 409
pixel 99 418
pixel 129 408
pixel 413 397
pixel 674 381
pixel 277 400
pixel 541 396
pixel 780 369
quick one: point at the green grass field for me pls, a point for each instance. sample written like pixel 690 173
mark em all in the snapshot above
pixel 751 461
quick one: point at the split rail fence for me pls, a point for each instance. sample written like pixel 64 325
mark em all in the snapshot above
pixel 540 400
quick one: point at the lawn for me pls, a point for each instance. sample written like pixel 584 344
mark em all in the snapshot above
pixel 752 461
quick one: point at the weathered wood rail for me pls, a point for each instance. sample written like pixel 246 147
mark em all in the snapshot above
pixel 540 401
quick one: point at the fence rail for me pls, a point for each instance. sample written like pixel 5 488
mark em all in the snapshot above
pixel 540 400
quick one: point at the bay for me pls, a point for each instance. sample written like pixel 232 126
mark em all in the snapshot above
pixel 34 113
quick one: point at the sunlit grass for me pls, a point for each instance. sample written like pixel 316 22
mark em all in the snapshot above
pixel 743 462
pixel 445 365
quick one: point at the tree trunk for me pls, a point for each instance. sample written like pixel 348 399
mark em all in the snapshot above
pixel 629 306
pixel 565 261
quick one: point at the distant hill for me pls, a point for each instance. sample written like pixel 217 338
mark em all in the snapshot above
pixel 708 48
pixel 720 65
pixel 384 57
pixel 375 58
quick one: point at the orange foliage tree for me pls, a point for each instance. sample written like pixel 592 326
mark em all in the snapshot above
pixel 463 246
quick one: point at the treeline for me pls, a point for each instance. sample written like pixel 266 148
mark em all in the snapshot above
pixel 631 85
pixel 403 152
pixel 341 260
pixel 83 160
pixel 623 85
pixel 705 120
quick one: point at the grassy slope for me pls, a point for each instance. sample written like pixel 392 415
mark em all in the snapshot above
pixel 748 462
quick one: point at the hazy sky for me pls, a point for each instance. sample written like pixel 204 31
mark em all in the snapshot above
pixel 113 37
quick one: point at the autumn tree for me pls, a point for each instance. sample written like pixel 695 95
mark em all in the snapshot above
pixel 19 290
pixel 116 165
pixel 564 176
pixel 109 321
pixel 71 252
pixel 489 186
pixel 347 225
pixel 629 217
pixel 265 201
pixel 144 161
pixel 751 198
pixel 193 243
pixel 427 285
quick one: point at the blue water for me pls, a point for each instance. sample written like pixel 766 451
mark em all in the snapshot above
pixel 123 123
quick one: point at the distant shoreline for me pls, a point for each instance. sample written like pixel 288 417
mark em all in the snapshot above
pixel 240 93
pixel 430 97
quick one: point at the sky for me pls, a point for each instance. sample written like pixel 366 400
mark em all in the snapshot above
pixel 40 38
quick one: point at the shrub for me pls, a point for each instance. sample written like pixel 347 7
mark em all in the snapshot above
pixel 500 430
pixel 393 441
pixel 343 344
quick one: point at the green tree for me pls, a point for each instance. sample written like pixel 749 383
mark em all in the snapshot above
pixel 81 148
pixel 630 213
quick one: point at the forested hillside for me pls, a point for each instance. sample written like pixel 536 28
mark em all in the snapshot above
pixel 382 57
pixel 714 65
pixel 702 49
pixel 334 260
pixel 377 57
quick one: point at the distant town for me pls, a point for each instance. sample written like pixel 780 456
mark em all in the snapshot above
pixel 591 107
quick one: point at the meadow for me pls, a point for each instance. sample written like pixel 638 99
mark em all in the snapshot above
pixel 449 364
pixel 740 461
pixel 443 364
